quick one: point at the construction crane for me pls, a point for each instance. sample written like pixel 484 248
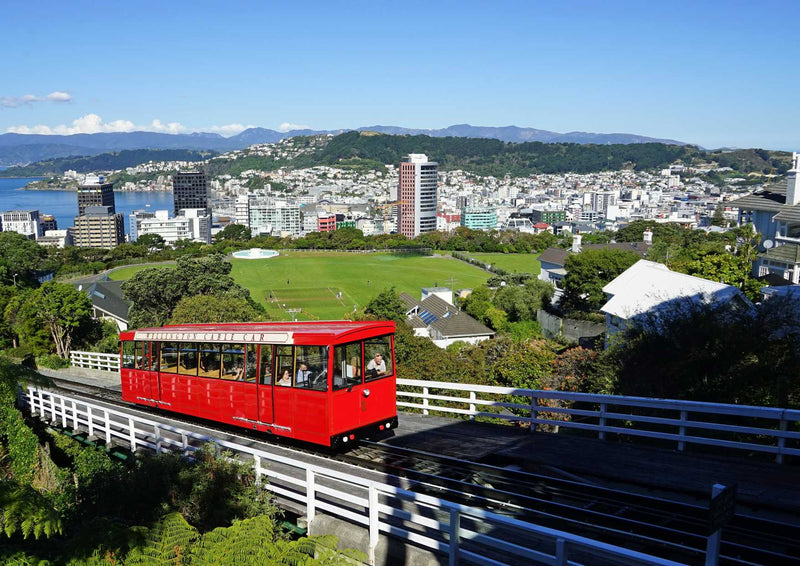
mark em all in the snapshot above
pixel 386 207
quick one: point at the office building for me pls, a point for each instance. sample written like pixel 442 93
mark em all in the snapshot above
pixel 189 191
pixel 57 238
pixel 95 192
pixel 479 218
pixel 48 222
pixel 25 222
pixel 134 220
pixel 99 227
pixel 418 195
pixel 190 224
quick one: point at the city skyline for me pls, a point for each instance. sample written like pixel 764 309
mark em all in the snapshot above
pixel 716 74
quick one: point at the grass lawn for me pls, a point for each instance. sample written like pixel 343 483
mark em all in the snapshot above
pixel 513 263
pixel 315 279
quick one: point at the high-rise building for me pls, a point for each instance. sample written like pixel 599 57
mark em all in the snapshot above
pixel 134 220
pixel 190 190
pixel 48 222
pixel 95 192
pixel 99 227
pixel 418 195
pixel 25 222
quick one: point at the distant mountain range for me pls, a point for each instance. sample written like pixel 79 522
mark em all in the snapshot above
pixel 17 149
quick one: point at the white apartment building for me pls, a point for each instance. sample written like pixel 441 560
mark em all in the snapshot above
pixel 277 218
pixel 25 222
pixel 190 224
pixel 135 218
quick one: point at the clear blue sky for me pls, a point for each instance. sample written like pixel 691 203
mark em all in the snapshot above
pixel 711 73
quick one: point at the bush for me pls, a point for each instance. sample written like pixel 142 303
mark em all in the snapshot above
pixel 52 361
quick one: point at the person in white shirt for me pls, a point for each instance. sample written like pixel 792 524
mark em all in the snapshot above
pixel 302 375
pixel 377 365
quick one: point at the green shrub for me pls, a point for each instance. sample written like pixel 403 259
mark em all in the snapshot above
pixel 52 361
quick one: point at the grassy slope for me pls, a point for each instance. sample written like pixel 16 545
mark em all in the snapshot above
pixel 316 277
pixel 514 263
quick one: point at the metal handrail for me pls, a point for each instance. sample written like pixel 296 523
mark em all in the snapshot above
pixel 381 502
pixel 687 424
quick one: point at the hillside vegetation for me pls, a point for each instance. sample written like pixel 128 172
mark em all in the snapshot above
pixel 105 162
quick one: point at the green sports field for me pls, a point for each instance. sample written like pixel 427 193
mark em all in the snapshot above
pixel 328 285
pixel 513 263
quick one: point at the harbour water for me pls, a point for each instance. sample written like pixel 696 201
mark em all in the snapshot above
pixel 64 204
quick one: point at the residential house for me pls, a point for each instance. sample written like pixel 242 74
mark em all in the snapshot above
pixel 648 288
pixel 441 321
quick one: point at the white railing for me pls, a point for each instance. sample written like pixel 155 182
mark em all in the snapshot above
pixel 743 427
pixel 457 531
pixel 94 360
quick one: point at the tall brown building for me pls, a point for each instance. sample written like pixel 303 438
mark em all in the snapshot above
pixel 99 227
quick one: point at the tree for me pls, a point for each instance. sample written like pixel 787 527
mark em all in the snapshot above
pixel 156 291
pixel 234 232
pixel 204 309
pixel 65 312
pixel 588 272
pixel 387 305
pixel 718 218
pixel 20 258
pixel 152 242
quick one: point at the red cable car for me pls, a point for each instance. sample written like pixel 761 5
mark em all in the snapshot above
pixel 322 382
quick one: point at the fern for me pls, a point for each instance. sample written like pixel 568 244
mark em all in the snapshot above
pixel 25 510
pixel 167 544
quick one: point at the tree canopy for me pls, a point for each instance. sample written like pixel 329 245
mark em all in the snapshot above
pixel 588 272
pixel 155 292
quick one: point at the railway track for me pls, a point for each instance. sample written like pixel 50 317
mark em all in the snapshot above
pixel 653 525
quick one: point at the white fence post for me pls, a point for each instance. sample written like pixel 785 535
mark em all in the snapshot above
pixel 132 435
pixel 782 426
pixel 90 418
pixel 602 434
pixel 373 523
pixel 455 534
pixel 561 552
pixel 682 431
pixel 108 428
pixel 311 495
pixel 425 400
pixel 534 413
pixel 472 397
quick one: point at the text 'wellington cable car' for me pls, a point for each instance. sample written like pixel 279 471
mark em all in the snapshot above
pixel 323 382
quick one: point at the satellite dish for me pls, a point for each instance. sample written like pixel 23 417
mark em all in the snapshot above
pixel 768 244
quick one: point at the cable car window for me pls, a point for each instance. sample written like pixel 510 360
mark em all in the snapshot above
pixel 143 355
pixel 284 365
pixel 169 357
pixel 233 362
pixel 266 364
pixel 379 351
pixel 251 367
pixel 209 360
pixel 187 359
pixel 128 349
pixel 312 367
pixel 347 364
pixel 153 354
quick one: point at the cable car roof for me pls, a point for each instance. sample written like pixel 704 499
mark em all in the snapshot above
pixel 265 332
